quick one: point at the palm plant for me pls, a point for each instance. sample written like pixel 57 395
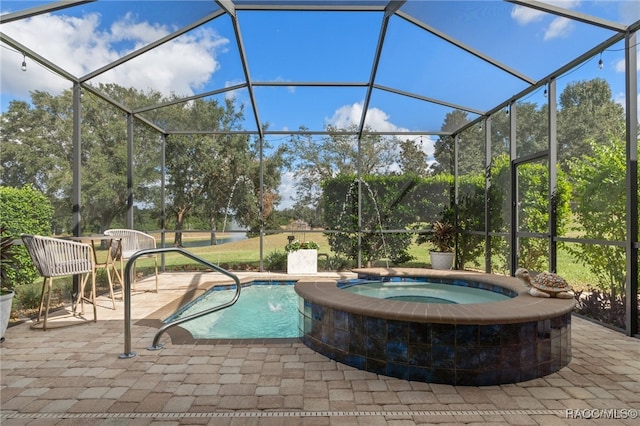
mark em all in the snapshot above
pixel 7 259
pixel 443 236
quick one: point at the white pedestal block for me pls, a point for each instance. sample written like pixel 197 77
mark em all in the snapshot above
pixel 302 262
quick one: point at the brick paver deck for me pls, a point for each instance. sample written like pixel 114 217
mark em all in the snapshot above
pixel 73 375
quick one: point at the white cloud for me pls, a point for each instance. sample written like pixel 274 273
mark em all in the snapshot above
pixel 524 15
pixel 620 65
pixel 379 121
pixel 346 116
pixel 558 27
pixel 349 115
pixel 287 190
pixel 80 46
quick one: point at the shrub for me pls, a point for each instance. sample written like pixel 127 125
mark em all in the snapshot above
pixel 24 211
pixel 304 245
pixel 276 261
pixel 599 205
pixel 337 263
pixel 601 306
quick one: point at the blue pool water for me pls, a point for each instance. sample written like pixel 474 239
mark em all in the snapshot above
pixel 262 311
pixel 270 309
pixel 425 292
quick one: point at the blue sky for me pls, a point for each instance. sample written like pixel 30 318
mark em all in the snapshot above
pixel 317 46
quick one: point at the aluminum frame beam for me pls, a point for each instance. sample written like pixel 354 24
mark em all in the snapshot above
pixel 39 10
pixel 570 14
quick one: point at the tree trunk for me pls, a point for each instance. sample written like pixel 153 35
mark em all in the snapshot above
pixel 177 239
pixel 213 232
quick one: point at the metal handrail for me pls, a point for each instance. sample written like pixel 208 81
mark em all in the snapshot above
pixel 128 279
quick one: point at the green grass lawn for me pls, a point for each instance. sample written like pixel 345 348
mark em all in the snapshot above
pixel 247 253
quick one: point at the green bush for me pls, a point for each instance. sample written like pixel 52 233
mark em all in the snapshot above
pixel 336 263
pixel 24 211
pixel 276 261
pixel 600 209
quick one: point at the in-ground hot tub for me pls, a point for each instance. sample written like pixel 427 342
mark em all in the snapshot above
pixel 476 344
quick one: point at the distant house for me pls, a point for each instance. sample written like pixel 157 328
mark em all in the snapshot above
pixel 298 225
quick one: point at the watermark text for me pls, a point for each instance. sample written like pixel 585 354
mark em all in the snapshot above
pixel 603 413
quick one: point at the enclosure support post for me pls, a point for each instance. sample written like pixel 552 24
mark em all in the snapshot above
pixel 487 195
pixel 359 174
pixel 261 207
pixel 631 67
pixel 456 148
pixel 553 176
pixel 130 171
pixel 163 192
pixel 513 194
pixel 77 171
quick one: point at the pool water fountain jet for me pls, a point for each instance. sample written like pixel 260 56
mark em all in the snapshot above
pixel 239 179
pixel 249 183
pixel 347 202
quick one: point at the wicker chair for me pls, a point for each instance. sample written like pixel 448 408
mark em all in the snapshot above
pixel 132 241
pixel 54 257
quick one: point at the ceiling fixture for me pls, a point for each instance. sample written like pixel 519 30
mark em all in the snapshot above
pixel 600 62
pixel 24 62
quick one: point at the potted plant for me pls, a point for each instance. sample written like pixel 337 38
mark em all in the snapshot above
pixel 7 261
pixel 443 238
pixel 302 257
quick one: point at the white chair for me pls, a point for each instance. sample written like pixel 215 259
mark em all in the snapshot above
pixel 54 257
pixel 132 241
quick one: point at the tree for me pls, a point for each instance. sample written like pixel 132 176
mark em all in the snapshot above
pixel 587 113
pixel 471 142
pixel 314 161
pixel 104 138
pixel 38 150
pixel 217 177
pixel 201 169
pixel 413 160
pixel 599 206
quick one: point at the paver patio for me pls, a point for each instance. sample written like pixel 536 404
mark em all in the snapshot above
pixel 73 375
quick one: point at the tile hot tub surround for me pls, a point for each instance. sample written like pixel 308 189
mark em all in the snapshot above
pixel 473 344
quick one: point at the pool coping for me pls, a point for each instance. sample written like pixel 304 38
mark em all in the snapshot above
pixel 519 309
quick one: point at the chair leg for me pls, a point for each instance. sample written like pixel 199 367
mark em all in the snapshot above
pixel 110 281
pixel 135 275
pixel 83 283
pixel 44 289
pixel 155 258
pixel 46 313
pixel 93 296
pixel 133 279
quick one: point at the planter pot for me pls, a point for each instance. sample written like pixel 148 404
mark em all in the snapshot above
pixel 302 262
pixel 440 260
pixel 5 311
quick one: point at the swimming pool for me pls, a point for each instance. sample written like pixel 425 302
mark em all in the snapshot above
pixel 264 310
pixel 269 309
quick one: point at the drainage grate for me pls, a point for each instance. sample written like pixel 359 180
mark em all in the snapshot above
pixel 246 414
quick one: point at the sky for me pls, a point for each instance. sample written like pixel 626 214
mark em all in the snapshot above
pixel 318 47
